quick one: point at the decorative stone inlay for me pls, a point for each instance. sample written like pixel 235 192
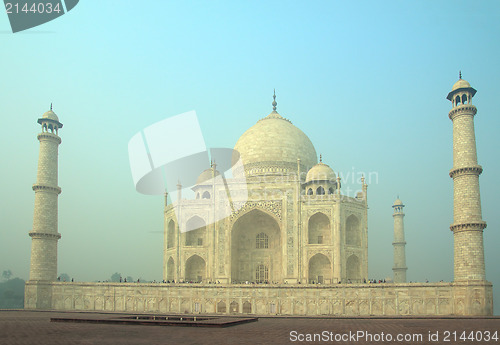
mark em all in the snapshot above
pixel 271 206
pixel 188 254
pixel 290 226
pixel 262 170
pixel 274 116
pixel 221 247
pixel 312 252
pixel 273 168
pixel 474 170
pixel 469 226
pixel 347 299
pixel 313 211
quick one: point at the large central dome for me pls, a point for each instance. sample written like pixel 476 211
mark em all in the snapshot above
pixel 274 144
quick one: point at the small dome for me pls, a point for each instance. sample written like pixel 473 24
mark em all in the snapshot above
pixel 206 175
pixel 50 115
pixel 398 203
pixel 320 172
pixel 460 84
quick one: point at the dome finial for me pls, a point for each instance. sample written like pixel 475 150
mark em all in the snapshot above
pixel 50 106
pixel 320 158
pixel 459 74
pixel 274 100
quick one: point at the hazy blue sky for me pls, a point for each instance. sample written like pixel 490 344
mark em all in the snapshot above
pixel 366 81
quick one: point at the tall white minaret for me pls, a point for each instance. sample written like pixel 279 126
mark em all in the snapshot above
pixel 44 233
pixel 467 224
pixel 399 243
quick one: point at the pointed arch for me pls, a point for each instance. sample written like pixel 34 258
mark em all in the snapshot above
pixel 170 269
pixel 195 269
pixel 353 269
pixel 221 307
pixel 206 195
pixel 256 209
pixel 353 231
pixel 247 307
pixel 319 229
pixel 320 191
pixel 248 250
pixel 195 231
pixel 320 269
pixel 234 307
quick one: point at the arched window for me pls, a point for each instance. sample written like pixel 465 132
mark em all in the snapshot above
pixel 197 195
pixel 234 307
pixel 247 307
pixel 195 231
pixel 206 195
pixel 464 99
pixel 353 231
pixel 221 307
pixel 170 269
pixel 457 100
pixel 320 191
pixel 262 241
pixel 261 274
pixel 309 191
pixel 195 269
pixel 353 268
pixel 330 190
pixel 319 229
pixel 319 269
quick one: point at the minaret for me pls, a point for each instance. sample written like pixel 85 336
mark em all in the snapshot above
pixel 399 243
pixel 44 234
pixel 467 224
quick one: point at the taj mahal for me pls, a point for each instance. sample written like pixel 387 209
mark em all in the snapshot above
pixel 284 230
pixel 276 237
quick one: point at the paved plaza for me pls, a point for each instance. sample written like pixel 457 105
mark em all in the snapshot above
pixel 34 327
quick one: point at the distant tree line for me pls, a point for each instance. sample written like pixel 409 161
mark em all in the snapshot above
pixel 118 277
pixel 12 288
pixel 11 291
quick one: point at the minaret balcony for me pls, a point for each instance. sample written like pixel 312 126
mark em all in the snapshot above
pixel 464 109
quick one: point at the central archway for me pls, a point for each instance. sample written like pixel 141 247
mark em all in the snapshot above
pixel 255 243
